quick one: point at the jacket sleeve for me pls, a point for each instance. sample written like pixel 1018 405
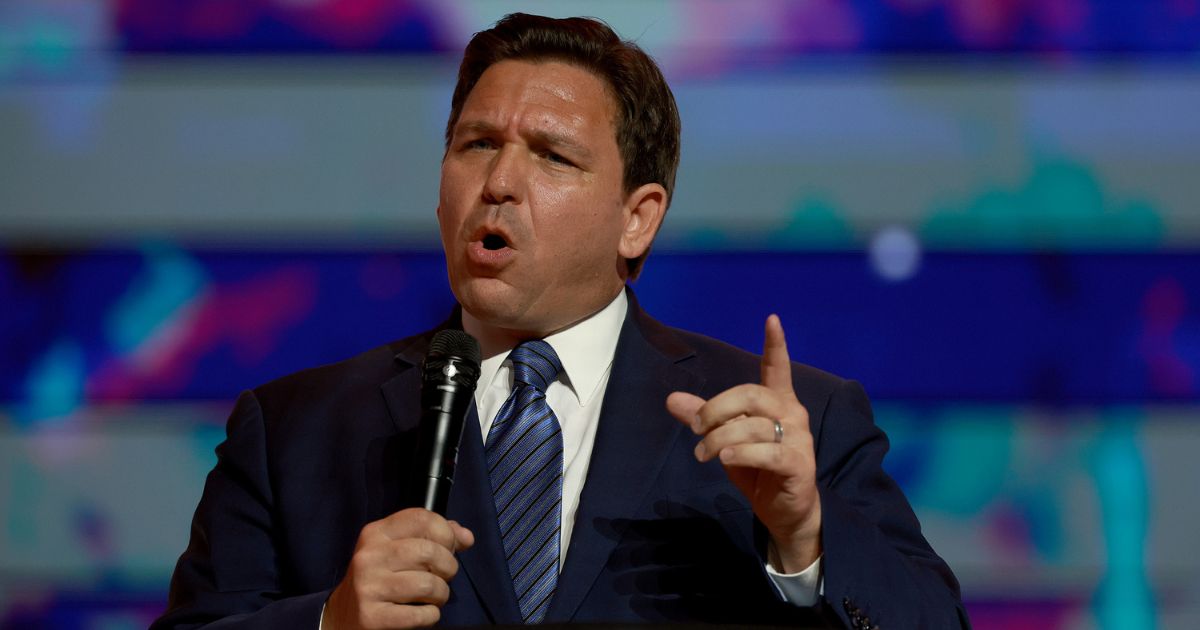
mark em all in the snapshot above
pixel 879 569
pixel 230 574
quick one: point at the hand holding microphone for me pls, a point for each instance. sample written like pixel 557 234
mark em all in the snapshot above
pixel 402 565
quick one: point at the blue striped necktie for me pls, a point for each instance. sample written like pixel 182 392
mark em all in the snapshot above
pixel 525 463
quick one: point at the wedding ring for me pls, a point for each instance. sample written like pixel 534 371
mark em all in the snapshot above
pixel 778 432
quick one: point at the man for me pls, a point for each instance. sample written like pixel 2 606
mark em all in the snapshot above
pixel 613 469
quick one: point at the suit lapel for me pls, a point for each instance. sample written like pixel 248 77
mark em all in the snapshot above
pixel 470 497
pixel 633 419
pixel 471 505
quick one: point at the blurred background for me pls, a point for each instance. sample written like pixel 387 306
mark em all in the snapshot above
pixel 987 211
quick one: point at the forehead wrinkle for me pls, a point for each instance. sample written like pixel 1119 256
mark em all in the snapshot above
pixel 542 109
pixel 548 132
pixel 477 126
pixel 553 139
pixel 569 95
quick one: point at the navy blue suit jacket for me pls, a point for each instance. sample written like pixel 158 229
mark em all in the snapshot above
pixel 659 537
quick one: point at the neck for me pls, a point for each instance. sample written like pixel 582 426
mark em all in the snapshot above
pixel 494 340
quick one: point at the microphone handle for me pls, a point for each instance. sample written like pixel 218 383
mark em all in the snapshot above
pixel 443 445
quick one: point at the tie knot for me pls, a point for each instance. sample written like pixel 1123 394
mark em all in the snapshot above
pixel 535 363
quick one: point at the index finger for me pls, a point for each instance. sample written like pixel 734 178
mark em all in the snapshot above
pixel 418 523
pixel 776 365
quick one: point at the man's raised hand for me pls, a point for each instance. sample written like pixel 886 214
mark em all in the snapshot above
pixel 777 476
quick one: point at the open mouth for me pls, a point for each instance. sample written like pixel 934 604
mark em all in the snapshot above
pixel 494 242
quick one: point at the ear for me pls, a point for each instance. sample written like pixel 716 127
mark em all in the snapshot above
pixel 644 210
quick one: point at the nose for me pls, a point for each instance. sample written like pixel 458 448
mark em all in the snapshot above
pixel 506 177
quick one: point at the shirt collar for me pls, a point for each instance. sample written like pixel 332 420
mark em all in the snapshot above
pixel 585 349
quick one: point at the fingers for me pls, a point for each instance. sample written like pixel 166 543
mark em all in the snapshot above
pixel 416 523
pixel 399 574
pixel 417 554
pixel 776 366
pixel 750 400
pixel 413 587
pixel 753 430
pixel 761 456
pixel 384 615
pixel 773 398
pixel 415 539
pixel 409 616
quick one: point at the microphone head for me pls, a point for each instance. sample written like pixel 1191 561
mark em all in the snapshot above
pixel 449 374
pixel 455 343
pixel 452 360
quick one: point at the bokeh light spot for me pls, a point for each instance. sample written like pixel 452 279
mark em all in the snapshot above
pixel 895 254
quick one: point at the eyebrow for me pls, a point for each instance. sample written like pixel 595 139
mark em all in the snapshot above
pixel 546 138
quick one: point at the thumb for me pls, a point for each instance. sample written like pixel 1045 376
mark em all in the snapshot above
pixel 684 406
pixel 463 538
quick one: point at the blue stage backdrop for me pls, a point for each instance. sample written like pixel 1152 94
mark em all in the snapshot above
pixel 986 212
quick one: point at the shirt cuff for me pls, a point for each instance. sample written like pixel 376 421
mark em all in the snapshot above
pixel 800 589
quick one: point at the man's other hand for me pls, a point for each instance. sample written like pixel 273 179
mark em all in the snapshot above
pixel 400 572
pixel 779 478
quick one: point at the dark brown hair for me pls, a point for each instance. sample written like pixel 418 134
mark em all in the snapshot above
pixel 647 124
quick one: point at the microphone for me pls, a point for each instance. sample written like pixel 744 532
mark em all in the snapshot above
pixel 448 376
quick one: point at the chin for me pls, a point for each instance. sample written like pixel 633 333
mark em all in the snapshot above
pixel 491 301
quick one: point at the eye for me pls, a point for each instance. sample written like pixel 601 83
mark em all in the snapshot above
pixel 479 143
pixel 555 158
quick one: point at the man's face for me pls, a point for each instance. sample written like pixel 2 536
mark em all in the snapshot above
pixel 531 206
